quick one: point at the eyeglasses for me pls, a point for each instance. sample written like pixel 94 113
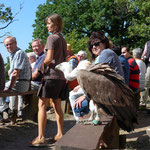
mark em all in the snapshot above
pixel 95 44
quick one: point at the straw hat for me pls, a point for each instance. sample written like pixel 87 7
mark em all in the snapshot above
pixel 69 47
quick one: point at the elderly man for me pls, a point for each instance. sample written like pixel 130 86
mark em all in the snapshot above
pixel 38 49
pixel 32 59
pixel 19 75
pixel 82 55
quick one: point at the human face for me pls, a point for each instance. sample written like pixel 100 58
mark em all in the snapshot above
pixel 32 59
pixel 125 52
pixel 37 48
pixel 80 57
pixel 97 47
pixel 50 26
pixel 10 45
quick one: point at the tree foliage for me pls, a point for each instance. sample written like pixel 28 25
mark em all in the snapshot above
pixel 6 17
pixel 5 14
pixel 125 22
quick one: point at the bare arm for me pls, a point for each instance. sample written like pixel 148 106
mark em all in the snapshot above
pixel 35 74
pixel 48 59
pixel 15 75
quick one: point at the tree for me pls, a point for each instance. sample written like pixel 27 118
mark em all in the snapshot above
pixel 123 21
pixel 6 17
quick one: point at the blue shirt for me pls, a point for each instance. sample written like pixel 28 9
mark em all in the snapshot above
pixel 38 63
pixel 19 60
pixel 126 68
pixel 110 57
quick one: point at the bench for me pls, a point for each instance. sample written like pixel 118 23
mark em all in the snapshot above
pixel 89 137
pixel 30 107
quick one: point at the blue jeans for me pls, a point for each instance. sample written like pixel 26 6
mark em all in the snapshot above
pixel 72 97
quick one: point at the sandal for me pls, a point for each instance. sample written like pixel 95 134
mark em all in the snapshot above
pixel 54 139
pixel 38 142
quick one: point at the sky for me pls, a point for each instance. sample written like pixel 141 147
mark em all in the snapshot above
pixel 22 28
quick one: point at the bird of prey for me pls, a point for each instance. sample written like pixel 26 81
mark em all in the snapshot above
pixel 107 89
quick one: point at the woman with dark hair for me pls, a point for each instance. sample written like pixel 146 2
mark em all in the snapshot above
pixel 53 80
pixel 99 47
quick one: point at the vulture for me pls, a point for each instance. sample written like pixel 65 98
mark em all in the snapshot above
pixel 70 75
pixel 107 89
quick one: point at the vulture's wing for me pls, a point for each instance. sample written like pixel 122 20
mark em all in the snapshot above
pixel 107 89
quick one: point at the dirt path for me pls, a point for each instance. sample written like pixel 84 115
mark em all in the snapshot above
pixel 139 138
pixel 18 136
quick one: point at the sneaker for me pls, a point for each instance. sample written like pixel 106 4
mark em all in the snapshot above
pixel 38 142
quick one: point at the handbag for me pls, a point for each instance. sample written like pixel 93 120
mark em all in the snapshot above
pixel 65 92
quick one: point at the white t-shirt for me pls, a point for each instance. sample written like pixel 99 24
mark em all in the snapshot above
pixel 32 65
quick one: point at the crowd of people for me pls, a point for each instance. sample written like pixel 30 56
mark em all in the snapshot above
pixel 37 71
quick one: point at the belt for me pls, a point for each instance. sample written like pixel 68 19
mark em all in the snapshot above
pixel 23 80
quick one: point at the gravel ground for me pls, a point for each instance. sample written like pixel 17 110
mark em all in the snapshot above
pixel 138 139
pixel 17 137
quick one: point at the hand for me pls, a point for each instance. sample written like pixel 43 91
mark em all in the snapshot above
pixel 78 101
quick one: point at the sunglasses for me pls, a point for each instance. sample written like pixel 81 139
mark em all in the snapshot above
pixel 95 44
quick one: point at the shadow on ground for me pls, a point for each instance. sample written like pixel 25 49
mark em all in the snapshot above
pixel 17 137
pixel 138 139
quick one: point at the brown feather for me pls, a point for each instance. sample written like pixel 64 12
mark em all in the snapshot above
pixel 108 90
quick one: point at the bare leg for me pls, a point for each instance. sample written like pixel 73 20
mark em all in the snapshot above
pixel 59 117
pixel 42 116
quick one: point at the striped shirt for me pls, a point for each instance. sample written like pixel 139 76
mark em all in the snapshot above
pixel 134 74
pixel 19 60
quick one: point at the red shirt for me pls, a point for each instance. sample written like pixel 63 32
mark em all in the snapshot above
pixel 134 75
